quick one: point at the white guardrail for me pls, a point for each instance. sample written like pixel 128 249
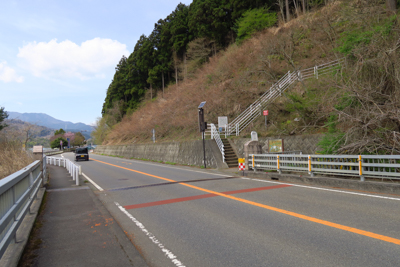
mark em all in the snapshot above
pixel 374 166
pixel 17 192
pixel 73 169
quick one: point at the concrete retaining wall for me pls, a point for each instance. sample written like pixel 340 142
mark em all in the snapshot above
pixel 185 153
pixel 307 144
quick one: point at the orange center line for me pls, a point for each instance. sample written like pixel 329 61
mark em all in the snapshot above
pixel 290 213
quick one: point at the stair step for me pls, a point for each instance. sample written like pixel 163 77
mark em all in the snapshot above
pixel 231 158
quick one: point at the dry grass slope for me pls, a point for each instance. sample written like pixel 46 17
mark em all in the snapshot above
pixel 13 158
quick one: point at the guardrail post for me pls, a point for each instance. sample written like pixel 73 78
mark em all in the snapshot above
pixel 277 164
pixel 237 129
pixel 77 172
pixel 362 178
pixel 254 166
pixel 309 166
pixel 15 215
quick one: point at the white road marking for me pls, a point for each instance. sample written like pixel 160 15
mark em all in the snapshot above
pixel 166 251
pixel 326 189
pixel 90 180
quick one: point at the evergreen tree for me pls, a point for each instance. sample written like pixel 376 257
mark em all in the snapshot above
pixel 3 116
pixel 60 131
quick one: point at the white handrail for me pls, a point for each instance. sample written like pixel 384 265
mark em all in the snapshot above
pixel 217 138
pixel 254 110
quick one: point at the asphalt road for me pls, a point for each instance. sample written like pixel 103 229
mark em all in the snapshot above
pixel 181 216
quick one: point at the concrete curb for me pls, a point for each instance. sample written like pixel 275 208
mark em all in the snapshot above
pixel 370 186
pixel 14 251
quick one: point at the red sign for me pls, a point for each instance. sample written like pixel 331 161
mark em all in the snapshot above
pixel 265 112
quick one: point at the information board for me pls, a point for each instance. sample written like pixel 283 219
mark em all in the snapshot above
pixel 275 146
pixel 222 122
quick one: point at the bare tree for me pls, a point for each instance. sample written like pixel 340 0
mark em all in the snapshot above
pixel 287 11
pixel 296 7
pixel 281 4
pixel 391 6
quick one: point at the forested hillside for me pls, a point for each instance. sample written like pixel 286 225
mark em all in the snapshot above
pixel 192 33
pixel 203 52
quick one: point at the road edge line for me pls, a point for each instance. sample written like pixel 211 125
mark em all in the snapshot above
pixel 93 183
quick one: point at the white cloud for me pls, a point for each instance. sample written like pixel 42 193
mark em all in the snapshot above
pixel 8 74
pixel 67 59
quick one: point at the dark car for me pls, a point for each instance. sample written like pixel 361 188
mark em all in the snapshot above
pixel 81 153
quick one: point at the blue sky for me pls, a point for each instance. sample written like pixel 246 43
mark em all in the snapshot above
pixel 59 57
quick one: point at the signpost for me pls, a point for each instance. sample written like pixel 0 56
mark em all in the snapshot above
pixel 265 113
pixel 222 123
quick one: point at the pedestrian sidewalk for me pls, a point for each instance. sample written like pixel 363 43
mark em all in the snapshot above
pixel 75 229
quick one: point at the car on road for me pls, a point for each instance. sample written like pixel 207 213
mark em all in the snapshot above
pixel 81 153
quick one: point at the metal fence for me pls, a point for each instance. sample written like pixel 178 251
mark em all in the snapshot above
pixel 374 166
pixel 73 169
pixel 17 192
pixel 276 90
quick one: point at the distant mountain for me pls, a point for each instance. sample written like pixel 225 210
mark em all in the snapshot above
pixel 50 122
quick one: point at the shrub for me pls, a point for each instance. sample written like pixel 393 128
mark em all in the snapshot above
pixel 252 21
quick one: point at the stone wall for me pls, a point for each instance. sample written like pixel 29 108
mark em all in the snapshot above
pixel 185 153
pixel 307 144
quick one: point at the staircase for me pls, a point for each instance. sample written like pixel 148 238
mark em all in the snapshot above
pixel 255 109
pixel 230 156
pixel 276 90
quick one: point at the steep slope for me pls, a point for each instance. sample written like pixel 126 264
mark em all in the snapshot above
pixel 234 78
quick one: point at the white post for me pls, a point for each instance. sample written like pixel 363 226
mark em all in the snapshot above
pixel 226 127
pixel 78 170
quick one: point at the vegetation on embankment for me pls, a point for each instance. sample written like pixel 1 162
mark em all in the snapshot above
pixel 13 158
pixel 359 110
